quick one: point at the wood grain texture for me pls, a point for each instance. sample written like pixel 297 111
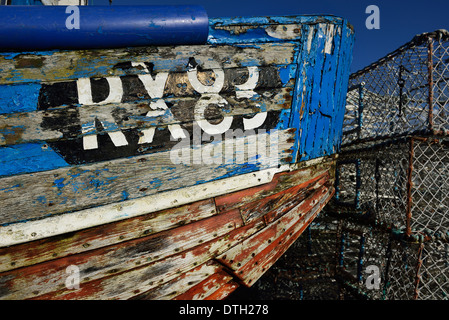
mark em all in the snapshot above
pixel 224 291
pixel 95 264
pixel 274 206
pixel 66 123
pixel 126 259
pixel 56 247
pixel 242 254
pixel 281 181
pixel 55 225
pixel 255 268
pixel 206 287
pixel 65 65
pixel 144 278
pixel 36 195
pixel 179 285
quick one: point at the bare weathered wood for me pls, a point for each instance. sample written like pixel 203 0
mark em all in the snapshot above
pixel 103 269
pixel 56 247
pixel 206 287
pixel 64 65
pixel 181 284
pixel 70 222
pixel 141 279
pixel 277 204
pixel 281 181
pixel 244 252
pixel 224 291
pixel 95 264
pixel 35 195
pixel 255 268
pixel 65 123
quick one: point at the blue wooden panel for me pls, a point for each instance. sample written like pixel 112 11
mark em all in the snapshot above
pixel 345 59
pixel 317 108
pixel 29 157
pixel 19 97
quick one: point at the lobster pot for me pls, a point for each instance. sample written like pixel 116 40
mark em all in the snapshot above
pixel 401 183
pixel 404 93
pixel 418 271
pixel 361 254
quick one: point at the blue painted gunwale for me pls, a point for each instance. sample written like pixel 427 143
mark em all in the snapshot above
pixel 100 26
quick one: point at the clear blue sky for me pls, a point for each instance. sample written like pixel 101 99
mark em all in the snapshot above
pixel 400 20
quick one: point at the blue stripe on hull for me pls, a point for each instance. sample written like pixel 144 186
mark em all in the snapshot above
pixel 19 97
pixel 28 158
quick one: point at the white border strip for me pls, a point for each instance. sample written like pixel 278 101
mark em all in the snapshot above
pixel 68 222
pixel 21 232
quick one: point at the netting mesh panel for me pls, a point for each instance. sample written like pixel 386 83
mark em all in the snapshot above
pixel 362 247
pixel 346 186
pixel 401 273
pixel 404 93
pixel 393 97
pixel 434 272
pixel 375 181
pixel 440 92
pixel 430 201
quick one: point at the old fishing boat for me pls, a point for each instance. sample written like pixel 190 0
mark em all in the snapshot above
pixel 153 153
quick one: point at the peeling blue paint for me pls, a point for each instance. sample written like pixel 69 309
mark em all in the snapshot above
pixel 59 183
pixel 125 195
pixel 19 97
pixel 28 158
pixel 288 72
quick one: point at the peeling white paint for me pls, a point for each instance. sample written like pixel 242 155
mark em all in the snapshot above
pixel 310 38
pixel 85 91
pixel 200 108
pixel 287 32
pixel 201 88
pixel 329 39
pixel 255 121
pixel 245 90
pixel 21 232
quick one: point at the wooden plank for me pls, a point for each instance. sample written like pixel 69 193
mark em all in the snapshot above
pixel 255 268
pixel 75 64
pixel 181 284
pixel 244 252
pixel 206 287
pixel 38 251
pixel 158 99
pixel 280 182
pixel 13 234
pixel 94 264
pixel 224 291
pixel 66 123
pixel 143 278
pixel 98 146
pixel 36 195
pixel 160 85
pixel 277 204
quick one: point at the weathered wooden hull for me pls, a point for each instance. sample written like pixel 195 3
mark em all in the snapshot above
pixel 165 172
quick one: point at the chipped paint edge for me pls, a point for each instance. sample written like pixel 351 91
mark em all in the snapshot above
pixel 21 232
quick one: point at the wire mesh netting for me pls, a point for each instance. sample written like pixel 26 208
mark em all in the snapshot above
pixel 394 168
pixel 403 183
pixel 404 93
